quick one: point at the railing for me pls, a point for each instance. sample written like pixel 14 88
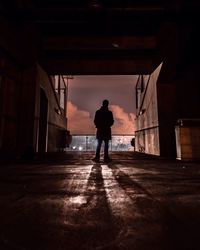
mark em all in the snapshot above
pixel 89 143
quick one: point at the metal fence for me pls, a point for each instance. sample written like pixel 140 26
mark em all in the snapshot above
pixel 89 143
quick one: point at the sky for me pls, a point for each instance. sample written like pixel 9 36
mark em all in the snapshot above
pixel 86 94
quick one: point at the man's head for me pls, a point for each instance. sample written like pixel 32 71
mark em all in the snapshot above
pixel 105 103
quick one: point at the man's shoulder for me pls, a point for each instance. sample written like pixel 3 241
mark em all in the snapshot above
pixel 102 111
pixel 98 111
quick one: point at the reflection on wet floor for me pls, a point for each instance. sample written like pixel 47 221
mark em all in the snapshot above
pixel 78 200
pixel 133 204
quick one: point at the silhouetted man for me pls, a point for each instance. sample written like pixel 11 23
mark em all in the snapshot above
pixel 103 121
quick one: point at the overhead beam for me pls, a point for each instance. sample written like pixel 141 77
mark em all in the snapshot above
pixel 117 54
pixel 96 66
pixel 99 42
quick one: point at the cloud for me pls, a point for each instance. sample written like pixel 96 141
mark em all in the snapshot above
pixel 124 122
pixel 81 122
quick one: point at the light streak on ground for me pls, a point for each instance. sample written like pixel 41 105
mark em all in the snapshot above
pixel 119 201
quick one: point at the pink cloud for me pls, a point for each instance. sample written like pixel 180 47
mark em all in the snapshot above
pixel 124 122
pixel 81 122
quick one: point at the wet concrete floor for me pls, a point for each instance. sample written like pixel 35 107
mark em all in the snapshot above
pixel 70 203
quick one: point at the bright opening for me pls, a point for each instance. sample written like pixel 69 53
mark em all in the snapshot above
pixel 85 95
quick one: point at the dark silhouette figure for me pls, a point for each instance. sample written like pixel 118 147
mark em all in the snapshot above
pixel 103 121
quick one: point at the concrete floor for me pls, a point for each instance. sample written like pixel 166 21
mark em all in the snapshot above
pixel 68 202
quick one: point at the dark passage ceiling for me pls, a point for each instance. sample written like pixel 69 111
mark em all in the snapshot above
pixel 98 36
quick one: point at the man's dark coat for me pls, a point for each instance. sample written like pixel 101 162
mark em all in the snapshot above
pixel 103 121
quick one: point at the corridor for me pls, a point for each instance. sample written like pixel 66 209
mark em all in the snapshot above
pixel 69 203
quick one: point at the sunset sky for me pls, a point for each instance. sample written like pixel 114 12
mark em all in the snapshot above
pixel 85 97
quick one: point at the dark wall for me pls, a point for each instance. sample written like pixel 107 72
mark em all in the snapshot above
pixel 27 110
pixel 25 124
pixel 178 83
pixel 167 113
pixel 189 92
pixel 56 121
pixel 9 105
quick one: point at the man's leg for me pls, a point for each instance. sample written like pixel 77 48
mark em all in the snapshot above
pixel 106 157
pixel 98 149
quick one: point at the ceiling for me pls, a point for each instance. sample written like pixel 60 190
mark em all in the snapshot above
pixel 98 36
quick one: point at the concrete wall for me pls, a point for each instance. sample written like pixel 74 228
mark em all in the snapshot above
pixel 18 92
pixel 188 108
pixel 18 51
pixel 167 113
pixel 178 83
pixel 9 105
pixel 147 125
pixel 177 91
pixel 57 122
pixel 189 92
pixel 20 109
pixel 166 100
pixel 27 109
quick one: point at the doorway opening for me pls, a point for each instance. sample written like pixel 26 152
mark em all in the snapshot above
pixel 85 96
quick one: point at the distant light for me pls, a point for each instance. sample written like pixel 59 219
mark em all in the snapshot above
pixel 80 148
pixel 95 4
pixel 74 147
pixel 115 45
